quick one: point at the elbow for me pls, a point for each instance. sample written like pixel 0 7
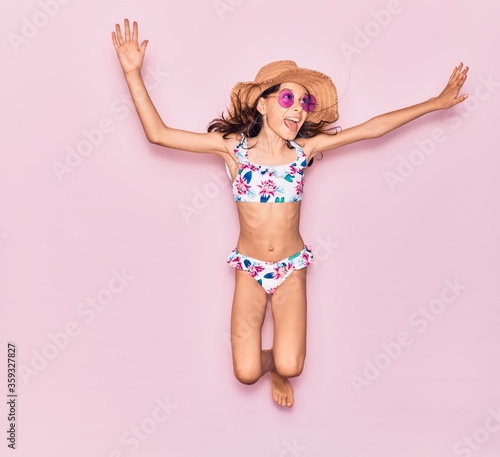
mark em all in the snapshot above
pixel 375 128
pixel 151 138
pixel 154 136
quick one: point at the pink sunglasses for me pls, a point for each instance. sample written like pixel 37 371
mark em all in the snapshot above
pixel 286 99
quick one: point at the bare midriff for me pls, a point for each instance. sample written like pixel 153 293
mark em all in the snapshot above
pixel 269 231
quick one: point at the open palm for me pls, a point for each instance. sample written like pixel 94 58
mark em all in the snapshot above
pixel 129 52
pixel 450 95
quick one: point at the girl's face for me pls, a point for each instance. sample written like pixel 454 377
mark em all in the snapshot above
pixel 285 122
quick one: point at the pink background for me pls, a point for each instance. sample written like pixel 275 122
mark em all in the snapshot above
pixel 165 221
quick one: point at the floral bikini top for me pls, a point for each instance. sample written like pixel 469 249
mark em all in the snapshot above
pixel 268 183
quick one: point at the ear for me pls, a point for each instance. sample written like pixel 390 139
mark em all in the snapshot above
pixel 262 106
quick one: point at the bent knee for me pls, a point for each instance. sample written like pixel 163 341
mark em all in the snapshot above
pixel 246 373
pixel 289 367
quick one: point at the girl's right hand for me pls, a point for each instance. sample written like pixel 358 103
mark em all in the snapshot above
pixel 130 54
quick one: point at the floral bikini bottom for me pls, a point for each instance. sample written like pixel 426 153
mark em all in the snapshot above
pixel 271 274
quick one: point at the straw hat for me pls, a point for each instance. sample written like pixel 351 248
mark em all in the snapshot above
pixel 317 83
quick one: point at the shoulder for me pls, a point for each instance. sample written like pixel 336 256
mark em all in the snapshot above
pixel 230 143
pixel 337 138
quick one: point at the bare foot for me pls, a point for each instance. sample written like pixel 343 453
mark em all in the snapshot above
pixel 282 390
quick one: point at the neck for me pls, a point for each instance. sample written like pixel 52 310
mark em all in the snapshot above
pixel 270 142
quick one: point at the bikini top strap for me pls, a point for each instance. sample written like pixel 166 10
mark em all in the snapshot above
pixel 241 150
pixel 300 152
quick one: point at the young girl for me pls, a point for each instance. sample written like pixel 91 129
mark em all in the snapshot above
pixel 276 125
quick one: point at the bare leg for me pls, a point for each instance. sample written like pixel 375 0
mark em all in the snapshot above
pixel 267 361
pixel 247 317
pixel 289 305
pixel 286 359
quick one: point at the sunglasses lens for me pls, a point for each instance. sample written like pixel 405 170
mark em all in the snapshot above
pixel 285 98
pixel 308 103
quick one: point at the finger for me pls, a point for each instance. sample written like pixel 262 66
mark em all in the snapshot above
pixel 143 47
pixel 457 74
pixel 459 67
pixel 462 70
pixel 135 32
pixel 115 41
pixel 461 78
pixel 127 30
pixel 453 76
pixel 458 100
pixel 119 34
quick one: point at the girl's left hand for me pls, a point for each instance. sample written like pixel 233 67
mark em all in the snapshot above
pixel 449 97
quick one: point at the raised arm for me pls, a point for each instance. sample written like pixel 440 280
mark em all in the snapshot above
pixel 380 125
pixel 131 57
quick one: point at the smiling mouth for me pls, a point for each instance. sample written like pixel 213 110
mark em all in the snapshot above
pixel 292 123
